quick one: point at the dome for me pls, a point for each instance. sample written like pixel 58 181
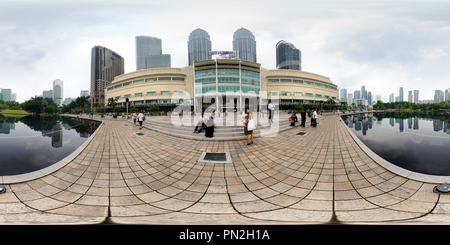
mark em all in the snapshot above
pixel 243 33
pixel 199 33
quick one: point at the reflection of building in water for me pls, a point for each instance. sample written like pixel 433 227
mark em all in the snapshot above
pixel 4 128
pixel 46 133
pixel 358 126
pixel 57 135
pixel 410 122
pixel 391 121
pixel 438 125
pixel 416 123
pixel 84 135
pixel 369 122
pixel 400 124
pixel 447 127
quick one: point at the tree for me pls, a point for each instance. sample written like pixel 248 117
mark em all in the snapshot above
pixel 112 102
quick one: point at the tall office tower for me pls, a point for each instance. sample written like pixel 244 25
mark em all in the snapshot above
pixel 369 98
pixel 357 95
pixel 400 96
pixel 349 98
pixel 6 94
pixel 47 93
pixel 244 44
pixel 391 98
pixel 13 97
pixel 199 46
pixel 438 96
pixel 363 92
pixel 288 56
pixel 447 95
pixel 84 93
pixel 343 95
pixel 105 65
pixel 58 88
pixel 410 96
pixel 416 96
pixel 149 53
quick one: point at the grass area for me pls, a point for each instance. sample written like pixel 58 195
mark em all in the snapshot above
pixel 45 114
pixel 15 112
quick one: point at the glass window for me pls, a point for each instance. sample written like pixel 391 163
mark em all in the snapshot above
pixel 109 88
pixel 274 80
pixel 127 96
pixel 164 78
pixel 138 95
pixel 318 96
pixel 285 93
pixel 297 81
pixel 177 78
pixel 152 79
pixel 178 93
pixel 165 92
pixel 327 97
pixel 153 93
pixel 334 98
pixel 285 80
pixel 127 83
pixel 138 81
pixel 298 93
pixel 274 93
pixel 118 86
pixel 309 95
pixel 117 97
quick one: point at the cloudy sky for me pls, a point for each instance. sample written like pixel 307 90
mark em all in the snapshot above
pixel 383 45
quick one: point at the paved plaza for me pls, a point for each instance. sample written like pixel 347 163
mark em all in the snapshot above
pixel 322 177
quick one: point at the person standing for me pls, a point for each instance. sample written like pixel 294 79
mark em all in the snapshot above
pixel 314 118
pixel 303 114
pixel 140 118
pixel 271 108
pixel 134 118
pixel 248 133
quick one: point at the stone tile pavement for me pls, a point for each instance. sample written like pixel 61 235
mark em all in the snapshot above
pixel 320 178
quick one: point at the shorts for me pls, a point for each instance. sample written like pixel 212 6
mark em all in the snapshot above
pixel 134 120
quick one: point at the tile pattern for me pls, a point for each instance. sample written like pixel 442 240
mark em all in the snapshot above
pixel 321 177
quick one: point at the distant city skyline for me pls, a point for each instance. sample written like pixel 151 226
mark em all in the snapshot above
pixel 382 45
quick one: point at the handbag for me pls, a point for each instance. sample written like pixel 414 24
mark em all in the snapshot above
pixel 251 125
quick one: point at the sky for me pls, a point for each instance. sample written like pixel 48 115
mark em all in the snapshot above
pixel 383 45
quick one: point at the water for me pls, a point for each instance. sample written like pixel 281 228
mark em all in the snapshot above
pixel 32 143
pixel 418 142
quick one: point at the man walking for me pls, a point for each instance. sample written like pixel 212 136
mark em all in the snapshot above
pixel 303 114
pixel 314 118
pixel 271 108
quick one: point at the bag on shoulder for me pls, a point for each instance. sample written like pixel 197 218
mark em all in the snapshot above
pixel 251 125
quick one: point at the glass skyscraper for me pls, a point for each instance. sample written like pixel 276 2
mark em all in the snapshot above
pixel 149 53
pixel 244 44
pixel 199 46
pixel 58 91
pixel 288 57
pixel 105 65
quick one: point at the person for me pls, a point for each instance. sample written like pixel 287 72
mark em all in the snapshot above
pixel 303 114
pixel 271 107
pixel 123 115
pixel 134 118
pixel 209 129
pixel 314 116
pixel 140 118
pixel 294 116
pixel 201 123
pixel 338 112
pixel 291 119
pixel 248 133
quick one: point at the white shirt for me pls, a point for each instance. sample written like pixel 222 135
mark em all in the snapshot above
pixel 140 116
pixel 315 114
pixel 271 106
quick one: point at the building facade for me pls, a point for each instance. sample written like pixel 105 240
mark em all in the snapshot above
pixel 149 53
pixel 416 96
pixel 343 95
pixel 221 84
pixel 58 91
pixel 199 46
pixel 438 96
pixel 6 94
pixel 400 96
pixel 288 56
pixel 105 66
pixel 84 93
pixel 244 44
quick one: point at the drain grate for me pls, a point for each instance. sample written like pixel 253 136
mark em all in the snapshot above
pixel 139 134
pixel 215 157
pixel 442 189
pixel 302 133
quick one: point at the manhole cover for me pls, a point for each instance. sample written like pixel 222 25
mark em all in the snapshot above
pixel 302 133
pixel 442 189
pixel 2 189
pixel 139 134
pixel 215 157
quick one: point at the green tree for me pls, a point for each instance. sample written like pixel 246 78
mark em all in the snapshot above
pixel 112 102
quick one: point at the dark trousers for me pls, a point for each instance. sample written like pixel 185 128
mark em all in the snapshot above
pixel 315 122
pixel 203 127
pixel 270 115
pixel 303 122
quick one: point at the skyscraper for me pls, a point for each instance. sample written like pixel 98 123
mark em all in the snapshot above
pixel 400 96
pixel 288 56
pixel 58 91
pixel 105 65
pixel 6 94
pixel 416 96
pixel 343 95
pixel 447 95
pixel 149 53
pixel 363 92
pixel 410 96
pixel 199 46
pixel 391 98
pixel 369 98
pixel 244 44
pixel 349 98
pixel 47 93
pixel 438 96
pixel 357 95
pixel 84 93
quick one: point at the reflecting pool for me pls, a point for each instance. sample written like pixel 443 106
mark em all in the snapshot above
pixel 32 143
pixel 418 142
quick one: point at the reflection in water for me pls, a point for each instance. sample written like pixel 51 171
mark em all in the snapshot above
pixel 25 145
pixel 421 149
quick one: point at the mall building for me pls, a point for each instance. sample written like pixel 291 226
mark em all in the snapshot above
pixel 233 83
